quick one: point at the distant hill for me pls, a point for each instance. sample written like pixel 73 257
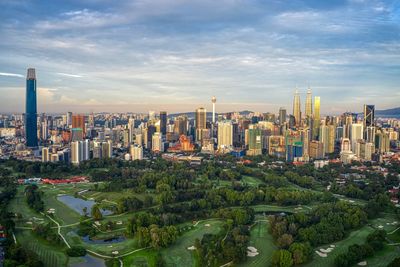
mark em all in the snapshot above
pixel 387 112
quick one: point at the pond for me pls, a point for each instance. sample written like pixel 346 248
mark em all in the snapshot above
pixel 77 204
pixel 89 261
pixel 110 240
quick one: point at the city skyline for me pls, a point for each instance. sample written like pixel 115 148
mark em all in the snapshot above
pixel 172 55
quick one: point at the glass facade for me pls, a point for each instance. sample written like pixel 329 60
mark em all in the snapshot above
pixel 31 110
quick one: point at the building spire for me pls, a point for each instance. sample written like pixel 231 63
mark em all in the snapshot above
pixel 31 74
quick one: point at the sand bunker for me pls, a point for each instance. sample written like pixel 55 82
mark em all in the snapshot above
pixel 191 248
pixel 252 249
pixel 380 226
pixel 115 252
pixel 119 222
pixel 323 255
pixel 252 252
pixel 207 225
pixel 332 246
pixel 326 250
pixel 362 263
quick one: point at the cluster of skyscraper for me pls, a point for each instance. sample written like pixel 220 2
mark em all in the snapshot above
pixel 297 137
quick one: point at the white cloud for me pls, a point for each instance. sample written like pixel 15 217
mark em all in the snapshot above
pixel 69 75
pixel 11 74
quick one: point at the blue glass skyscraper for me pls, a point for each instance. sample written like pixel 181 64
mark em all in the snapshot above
pixel 31 110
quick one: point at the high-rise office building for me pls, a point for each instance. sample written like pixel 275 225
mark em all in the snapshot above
pixel 180 125
pixel 327 135
pixel 225 134
pixel 282 115
pixel 357 133
pixel 364 150
pixel 294 146
pixel 297 108
pixel 80 151
pixel 136 152
pixel 163 122
pixel 276 146
pixel 78 122
pixel 69 118
pixel 345 145
pixel 309 104
pixel 254 137
pixel 31 110
pixel 382 142
pixel 317 117
pixel 316 150
pixel 45 154
pixel 157 143
pixel 200 122
pixel 152 115
pixel 370 134
pixel 369 115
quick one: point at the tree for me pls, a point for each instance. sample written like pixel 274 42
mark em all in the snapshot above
pixel 342 260
pixel 284 241
pixel 96 213
pixel 282 258
pixel 76 251
pixel 394 263
pixel 301 252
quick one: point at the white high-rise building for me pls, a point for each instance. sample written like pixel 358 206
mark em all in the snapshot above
pixel 136 152
pixel 80 151
pixel 357 133
pixel 75 153
pixel 346 145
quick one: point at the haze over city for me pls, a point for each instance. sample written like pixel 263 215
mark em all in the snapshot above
pixel 174 55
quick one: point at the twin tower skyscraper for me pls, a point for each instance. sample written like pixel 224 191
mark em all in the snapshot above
pixel 31 110
pixel 309 114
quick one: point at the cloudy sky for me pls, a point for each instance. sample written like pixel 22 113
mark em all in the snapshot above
pixel 107 55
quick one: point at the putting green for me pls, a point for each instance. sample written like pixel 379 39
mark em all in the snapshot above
pixel 263 242
pixel 178 255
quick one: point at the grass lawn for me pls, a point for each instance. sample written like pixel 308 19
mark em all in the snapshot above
pixel 178 255
pixel 263 242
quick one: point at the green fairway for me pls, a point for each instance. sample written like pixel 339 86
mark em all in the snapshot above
pixel 178 254
pixel 387 222
pixel 250 180
pixel 50 255
pixel 141 258
pixel 263 242
pixel 355 237
pixel 274 208
pixel 384 257
pixel 27 216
